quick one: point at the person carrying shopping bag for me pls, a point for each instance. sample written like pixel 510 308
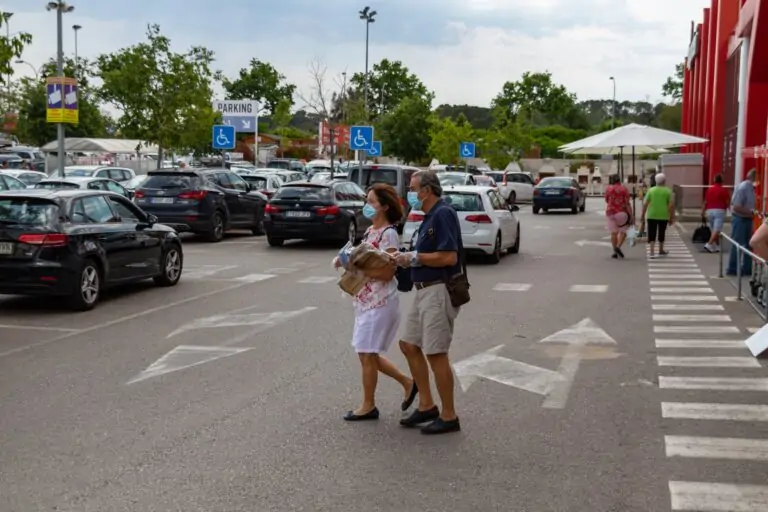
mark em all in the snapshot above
pixel 717 200
pixel 377 306
pixel 659 209
pixel 618 213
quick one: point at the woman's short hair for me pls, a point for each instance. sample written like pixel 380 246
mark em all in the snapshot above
pixel 387 196
pixel 719 179
pixel 613 179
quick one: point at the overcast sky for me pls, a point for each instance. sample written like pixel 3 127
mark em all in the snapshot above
pixel 463 50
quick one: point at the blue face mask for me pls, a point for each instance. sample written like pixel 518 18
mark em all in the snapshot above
pixel 413 200
pixel 369 211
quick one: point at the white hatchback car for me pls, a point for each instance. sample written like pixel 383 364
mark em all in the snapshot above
pixel 488 225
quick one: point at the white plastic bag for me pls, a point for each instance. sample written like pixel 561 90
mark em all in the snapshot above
pixel 632 235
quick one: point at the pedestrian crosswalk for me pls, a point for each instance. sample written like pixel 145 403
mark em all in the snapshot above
pixel 701 351
pixel 237 273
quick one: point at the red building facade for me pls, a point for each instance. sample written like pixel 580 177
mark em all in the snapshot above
pixel 727 59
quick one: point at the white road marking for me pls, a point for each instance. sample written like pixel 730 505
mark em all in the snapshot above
pixel 126 318
pixel 281 270
pixel 716 448
pixel 236 319
pixel 672 343
pixel 715 497
pixel 708 362
pixel 676 276
pixel 713 411
pixel 688 307
pixel 653 265
pixel 695 329
pixel 577 228
pixel 254 278
pixel 753 330
pixel 318 280
pixel 185 356
pixel 674 271
pixel 36 328
pixel 585 332
pixel 714 383
pixel 589 288
pixel 542 227
pixel 512 287
pixel 203 271
pixel 732 298
pixel 686 298
pixel 691 318
pixel 679 283
pixel 682 290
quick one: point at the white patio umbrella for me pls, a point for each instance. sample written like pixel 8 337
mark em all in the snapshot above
pixel 635 137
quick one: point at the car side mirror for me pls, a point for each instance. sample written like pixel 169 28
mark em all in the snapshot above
pixel 514 208
pixel 248 187
pixel 151 219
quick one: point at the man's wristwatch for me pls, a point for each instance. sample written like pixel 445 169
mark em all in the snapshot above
pixel 414 259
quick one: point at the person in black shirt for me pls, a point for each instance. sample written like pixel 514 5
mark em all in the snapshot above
pixel 429 325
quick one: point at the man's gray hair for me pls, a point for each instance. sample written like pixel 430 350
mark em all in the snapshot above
pixel 752 175
pixel 661 179
pixel 430 180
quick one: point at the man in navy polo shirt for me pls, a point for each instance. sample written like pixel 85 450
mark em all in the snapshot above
pixel 429 326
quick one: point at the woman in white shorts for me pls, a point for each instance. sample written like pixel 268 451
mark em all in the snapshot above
pixel 377 306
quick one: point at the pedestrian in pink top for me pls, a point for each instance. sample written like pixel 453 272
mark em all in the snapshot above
pixel 618 214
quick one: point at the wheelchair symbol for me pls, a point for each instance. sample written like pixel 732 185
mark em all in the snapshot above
pixel 466 151
pixel 360 141
pixel 222 140
pixel 373 151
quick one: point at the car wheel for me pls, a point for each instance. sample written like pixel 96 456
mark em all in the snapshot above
pixel 275 242
pixel 496 255
pixel 575 209
pixel 511 198
pixel 515 248
pixel 87 292
pixel 171 267
pixel 583 206
pixel 535 210
pixel 352 232
pixel 259 229
pixel 217 231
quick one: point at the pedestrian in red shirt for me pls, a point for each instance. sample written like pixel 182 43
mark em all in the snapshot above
pixel 717 200
pixel 618 214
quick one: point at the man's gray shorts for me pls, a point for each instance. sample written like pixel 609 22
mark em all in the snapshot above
pixel 429 324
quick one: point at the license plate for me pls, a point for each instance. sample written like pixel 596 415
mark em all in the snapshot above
pixel 552 193
pixel 297 214
pixel 162 200
pixel 6 248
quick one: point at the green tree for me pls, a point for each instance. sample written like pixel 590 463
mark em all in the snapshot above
pixel 446 136
pixel 405 132
pixel 673 87
pixel 505 142
pixel 536 98
pixel 32 126
pixel 165 97
pixel 261 82
pixel 389 83
pixel 671 117
pixel 10 49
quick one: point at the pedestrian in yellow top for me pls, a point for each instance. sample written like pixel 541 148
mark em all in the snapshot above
pixel 659 209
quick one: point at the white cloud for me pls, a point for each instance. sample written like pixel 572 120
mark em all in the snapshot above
pixel 470 69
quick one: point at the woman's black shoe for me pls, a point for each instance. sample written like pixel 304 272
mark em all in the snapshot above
pixel 407 403
pixel 373 414
pixel 619 252
pixel 441 426
pixel 418 417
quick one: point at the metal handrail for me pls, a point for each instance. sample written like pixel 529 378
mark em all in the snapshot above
pixel 741 251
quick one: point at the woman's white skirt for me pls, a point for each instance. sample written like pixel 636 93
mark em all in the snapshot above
pixel 375 329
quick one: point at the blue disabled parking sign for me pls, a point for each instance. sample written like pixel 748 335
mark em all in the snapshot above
pixel 223 137
pixel 361 138
pixel 467 150
pixel 376 149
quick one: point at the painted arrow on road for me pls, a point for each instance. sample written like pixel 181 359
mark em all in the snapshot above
pixel 187 356
pixel 554 385
pixel 600 243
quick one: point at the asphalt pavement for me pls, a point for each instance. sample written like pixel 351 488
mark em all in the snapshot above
pixel 585 384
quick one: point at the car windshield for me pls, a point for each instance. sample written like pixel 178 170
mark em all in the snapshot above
pixel 379 175
pixel 496 176
pixel 554 183
pixel 56 184
pixel 279 164
pixel 171 180
pixel 304 193
pixel 25 210
pixel 464 202
pixel 484 180
pixel 69 171
pixel 257 182
pixel 452 179
pixel 136 181
pixel 29 178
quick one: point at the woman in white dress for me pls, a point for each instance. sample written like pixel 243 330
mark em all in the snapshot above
pixel 377 306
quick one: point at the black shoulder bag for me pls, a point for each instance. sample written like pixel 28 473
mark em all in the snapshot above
pixel 458 284
pixel 402 275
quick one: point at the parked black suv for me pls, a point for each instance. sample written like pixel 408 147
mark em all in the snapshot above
pixel 203 201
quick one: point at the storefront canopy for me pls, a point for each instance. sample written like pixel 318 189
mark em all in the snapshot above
pixel 101 146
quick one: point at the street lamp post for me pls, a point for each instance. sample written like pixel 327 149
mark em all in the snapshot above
pixel 613 107
pixel 60 7
pixel 7 18
pixel 369 16
pixel 34 69
pixel 76 29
